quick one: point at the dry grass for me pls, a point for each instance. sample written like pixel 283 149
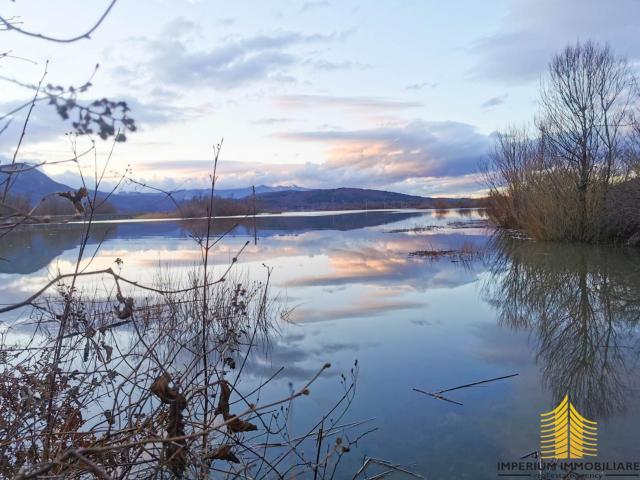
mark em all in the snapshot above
pixel 547 208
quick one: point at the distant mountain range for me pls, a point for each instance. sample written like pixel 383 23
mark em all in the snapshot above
pixel 34 184
pixel 234 192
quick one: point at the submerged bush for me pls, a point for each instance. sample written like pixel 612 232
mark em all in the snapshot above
pixel 154 385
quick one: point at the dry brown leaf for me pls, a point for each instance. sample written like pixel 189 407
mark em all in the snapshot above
pixel 224 453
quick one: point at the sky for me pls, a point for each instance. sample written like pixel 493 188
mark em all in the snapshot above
pixel 398 95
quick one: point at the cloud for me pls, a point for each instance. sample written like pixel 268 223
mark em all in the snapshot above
pixel 313 4
pixel 420 86
pixel 351 103
pixel 470 185
pixel 494 101
pixel 172 61
pixel 363 309
pixel 297 353
pixel 327 65
pixel 536 29
pixel 425 158
pixel 272 121
pixel 180 27
pixel 373 261
pixel 391 154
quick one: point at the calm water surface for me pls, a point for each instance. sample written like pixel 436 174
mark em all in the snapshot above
pixel 564 318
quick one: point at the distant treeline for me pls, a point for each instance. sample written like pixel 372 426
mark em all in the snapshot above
pixel 51 205
pixel 203 206
pixel 331 199
pixel 355 199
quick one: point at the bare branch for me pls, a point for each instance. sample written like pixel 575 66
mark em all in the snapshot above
pixel 10 25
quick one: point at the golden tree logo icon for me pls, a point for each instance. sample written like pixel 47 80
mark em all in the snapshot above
pixel 564 433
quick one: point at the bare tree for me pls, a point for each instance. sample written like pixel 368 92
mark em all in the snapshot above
pixel 575 178
pixel 585 103
pixel 508 172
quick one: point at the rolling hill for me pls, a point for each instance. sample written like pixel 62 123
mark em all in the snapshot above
pixel 34 184
pixel 339 199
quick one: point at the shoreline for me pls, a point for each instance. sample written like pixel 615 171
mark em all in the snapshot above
pixel 303 213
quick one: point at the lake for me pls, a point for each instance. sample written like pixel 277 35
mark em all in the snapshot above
pixel 563 318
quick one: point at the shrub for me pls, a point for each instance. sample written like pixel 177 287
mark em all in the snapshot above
pixel 576 177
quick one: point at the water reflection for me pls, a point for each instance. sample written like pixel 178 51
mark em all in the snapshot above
pixel 30 249
pixel 582 305
pixel 563 317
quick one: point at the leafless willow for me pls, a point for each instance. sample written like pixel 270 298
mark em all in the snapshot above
pixel 576 176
